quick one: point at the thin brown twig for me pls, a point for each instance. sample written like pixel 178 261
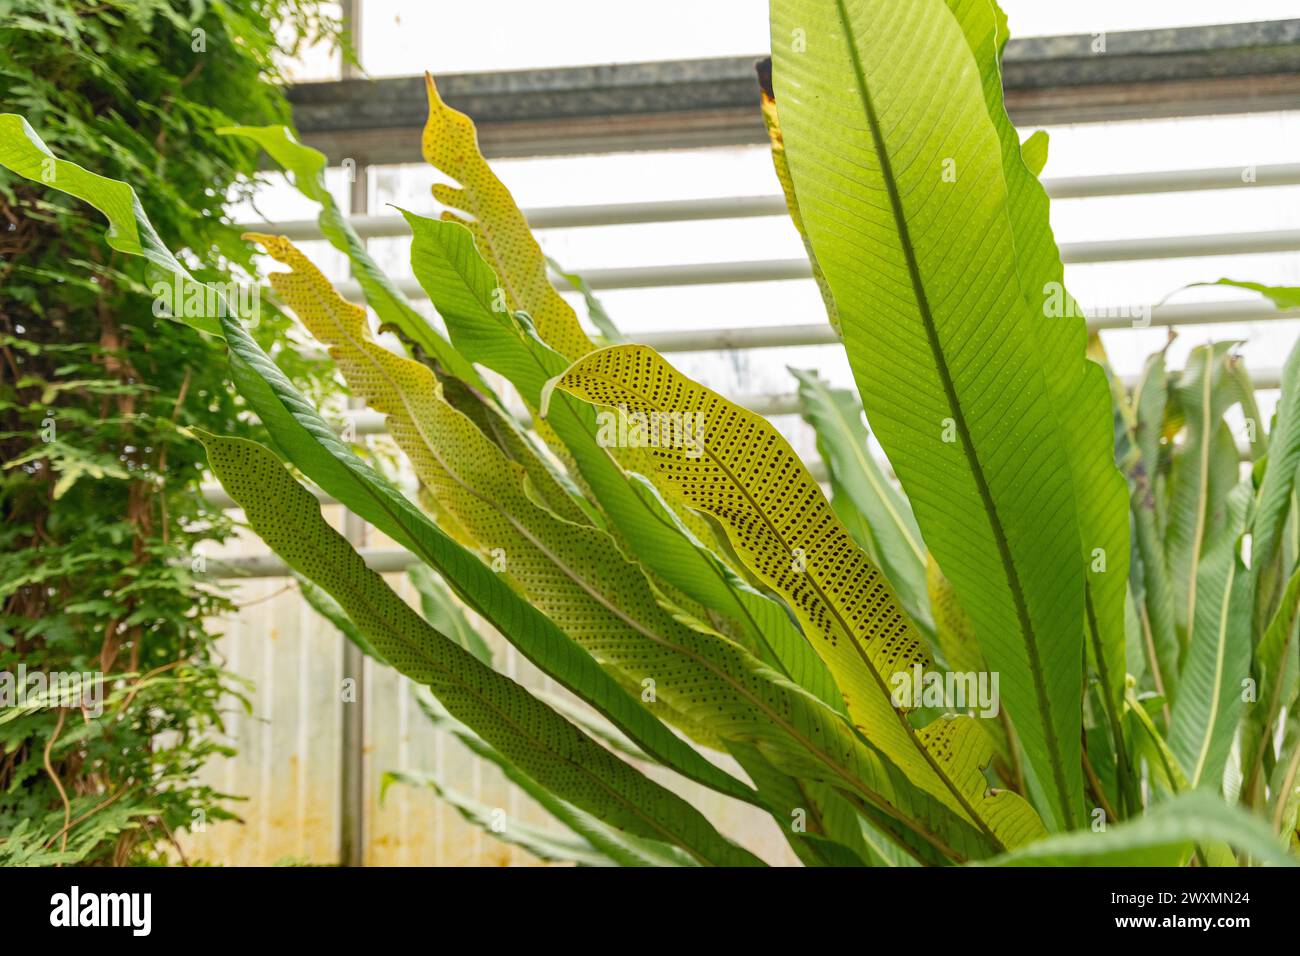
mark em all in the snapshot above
pixel 87 815
pixel 58 784
pixel 180 851
pixel 135 688
pixel 268 597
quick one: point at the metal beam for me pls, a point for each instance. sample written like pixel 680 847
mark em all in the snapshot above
pixel 821 333
pixel 1143 74
pixel 352 739
pixel 1173 181
pixel 773 270
pixel 269 565
pixel 748 207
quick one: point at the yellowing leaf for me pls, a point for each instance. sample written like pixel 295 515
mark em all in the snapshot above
pixel 743 473
pixel 501 232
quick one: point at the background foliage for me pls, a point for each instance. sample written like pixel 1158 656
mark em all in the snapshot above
pixel 99 491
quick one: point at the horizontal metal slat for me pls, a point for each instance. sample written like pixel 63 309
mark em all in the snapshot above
pixel 775 270
pixel 747 207
pixel 821 333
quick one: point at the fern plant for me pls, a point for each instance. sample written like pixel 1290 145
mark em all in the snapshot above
pixel 1095 555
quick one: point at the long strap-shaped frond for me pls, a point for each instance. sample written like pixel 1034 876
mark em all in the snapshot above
pixel 129 228
pixel 307 169
pixel 1204 470
pixel 1210 699
pixel 741 471
pixel 901 186
pixel 545 746
pixel 1076 385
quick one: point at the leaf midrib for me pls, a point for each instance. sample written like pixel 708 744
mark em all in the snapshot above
pixel 995 522
pixel 1202 490
pixel 1220 653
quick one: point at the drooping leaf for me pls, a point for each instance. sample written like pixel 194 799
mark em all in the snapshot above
pixel 747 477
pixel 536 739
pixel 129 229
pixel 1284 297
pixel 941 337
